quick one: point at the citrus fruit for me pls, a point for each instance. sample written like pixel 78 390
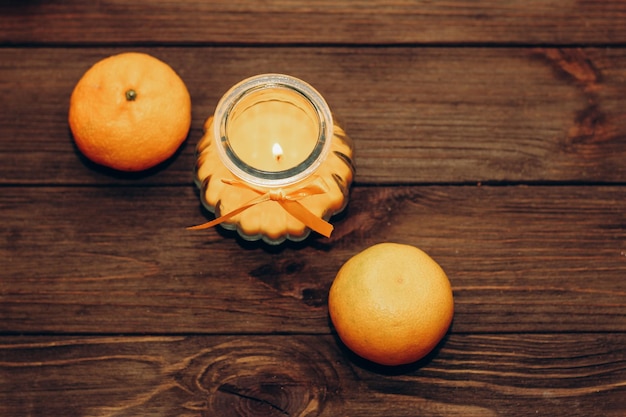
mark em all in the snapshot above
pixel 391 304
pixel 130 112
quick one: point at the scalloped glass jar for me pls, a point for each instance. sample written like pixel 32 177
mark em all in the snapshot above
pixel 275 134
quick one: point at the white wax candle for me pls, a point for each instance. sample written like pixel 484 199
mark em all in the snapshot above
pixel 273 130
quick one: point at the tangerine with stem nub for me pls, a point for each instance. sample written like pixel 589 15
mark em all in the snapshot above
pixel 130 112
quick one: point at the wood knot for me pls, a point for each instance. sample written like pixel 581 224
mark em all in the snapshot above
pixel 574 65
pixel 290 278
pixel 244 378
pixel 592 125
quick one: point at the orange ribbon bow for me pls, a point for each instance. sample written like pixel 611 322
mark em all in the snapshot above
pixel 288 201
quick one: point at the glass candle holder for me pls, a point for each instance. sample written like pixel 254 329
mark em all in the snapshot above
pixel 272 163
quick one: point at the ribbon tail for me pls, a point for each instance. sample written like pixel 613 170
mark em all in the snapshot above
pixel 309 219
pixel 229 215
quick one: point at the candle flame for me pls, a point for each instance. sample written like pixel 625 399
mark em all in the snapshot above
pixel 277 151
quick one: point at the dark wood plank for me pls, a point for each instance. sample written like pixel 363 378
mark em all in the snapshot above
pixel 298 21
pixel 520 259
pixel 416 115
pixel 490 134
pixel 469 375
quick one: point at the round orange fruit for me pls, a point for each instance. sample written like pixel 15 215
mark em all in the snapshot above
pixel 130 112
pixel 391 304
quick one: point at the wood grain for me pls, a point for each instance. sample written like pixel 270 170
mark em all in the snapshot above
pixel 490 134
pixel 566 22
pixel 523 259
pixel 443 115
pixel 308 375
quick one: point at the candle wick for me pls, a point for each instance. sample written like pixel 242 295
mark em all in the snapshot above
pixel 277 150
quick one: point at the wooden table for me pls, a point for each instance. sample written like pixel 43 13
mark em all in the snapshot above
pixel 490 134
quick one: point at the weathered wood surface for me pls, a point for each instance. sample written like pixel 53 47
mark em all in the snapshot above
pixel 491 134
pixel 563 22
pixel 416 115
pixel 90 259
pixel 470 375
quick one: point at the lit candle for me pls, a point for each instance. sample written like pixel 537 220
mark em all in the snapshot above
pixel 277 153
pixel 272 163
pixel 271 134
